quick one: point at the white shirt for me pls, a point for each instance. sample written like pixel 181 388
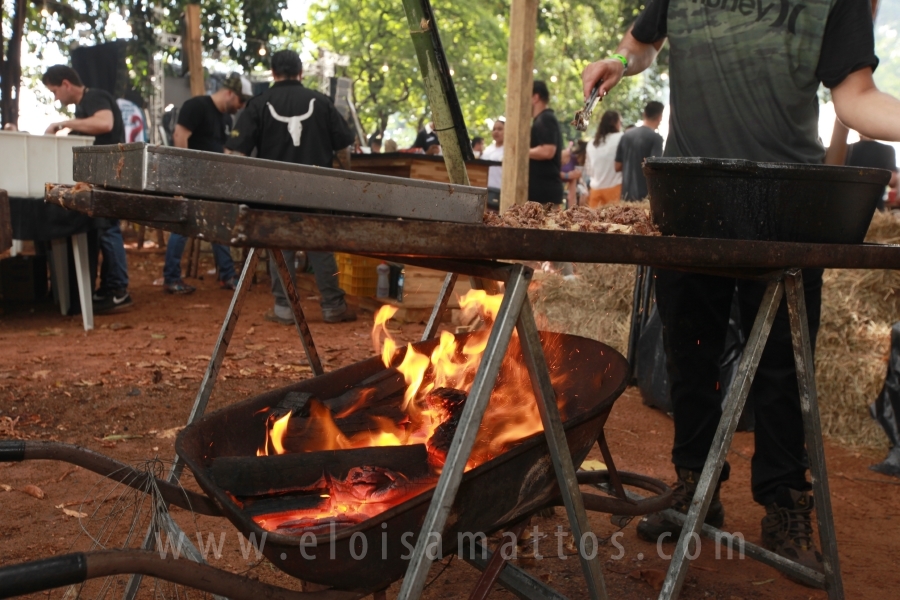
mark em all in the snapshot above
pixel 495 174
pixel 600 164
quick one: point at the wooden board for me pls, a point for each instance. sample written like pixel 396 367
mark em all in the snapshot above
pixel 436 171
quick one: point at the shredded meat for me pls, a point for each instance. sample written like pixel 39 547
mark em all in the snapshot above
pixel 609 219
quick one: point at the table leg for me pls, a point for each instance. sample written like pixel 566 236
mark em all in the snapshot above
pixel 440 306
pixel 470 421
pixel 83 275
pixel 559 448
pixel 734 405
pixel 290 291
pixel 812 426
pixel 59 253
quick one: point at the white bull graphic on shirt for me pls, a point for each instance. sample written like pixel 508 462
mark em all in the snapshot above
pixel 294 124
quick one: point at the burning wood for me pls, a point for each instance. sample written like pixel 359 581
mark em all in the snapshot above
pixel 256 476
pixel 451 403
pixel 609 219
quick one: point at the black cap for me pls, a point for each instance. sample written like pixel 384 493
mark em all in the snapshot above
pixel 375 138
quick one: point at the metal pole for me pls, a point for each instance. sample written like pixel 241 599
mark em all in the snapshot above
pixel 440 306
pixel 812 427
pixel 299 319
pixel 200 404
pixel 734 404
pixel 559 447
pixel 466 432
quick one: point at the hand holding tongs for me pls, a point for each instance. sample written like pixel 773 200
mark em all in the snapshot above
pixel 583 116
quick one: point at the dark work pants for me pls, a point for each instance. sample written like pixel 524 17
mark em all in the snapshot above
pixel 694 309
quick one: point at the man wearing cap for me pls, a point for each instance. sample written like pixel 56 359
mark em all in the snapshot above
pixel 294 124
pixel 204 123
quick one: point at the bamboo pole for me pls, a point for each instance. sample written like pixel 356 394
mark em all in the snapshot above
pixel 519 81
pixel 194 48
pixel 421 29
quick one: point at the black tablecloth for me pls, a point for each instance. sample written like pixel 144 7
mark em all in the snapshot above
pixel 34 219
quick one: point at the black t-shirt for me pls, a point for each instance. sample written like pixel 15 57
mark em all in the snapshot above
pixel 847 46
pixel 291 123
pixel 208 126
pixel 544 184
pixel 93 101
pixel 425 140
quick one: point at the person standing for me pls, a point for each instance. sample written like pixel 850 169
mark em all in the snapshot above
pixel 204 123
pixel 294 124
pixel 869 153
pixel 765 109
pixel 478 146
pixel 494 152
pixel 604 179
pixel 545 154
pixel 98 115
pixel 634 146
pixel 375 143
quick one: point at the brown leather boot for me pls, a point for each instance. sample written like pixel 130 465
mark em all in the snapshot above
pixel 655 525
pixel 787 528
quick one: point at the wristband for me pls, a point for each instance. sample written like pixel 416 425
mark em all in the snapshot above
pixel 622 59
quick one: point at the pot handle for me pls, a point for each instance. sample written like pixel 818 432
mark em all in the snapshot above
pixel 41 575
pixel 12 450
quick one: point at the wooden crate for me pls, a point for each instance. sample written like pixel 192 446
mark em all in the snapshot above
pixel 420 291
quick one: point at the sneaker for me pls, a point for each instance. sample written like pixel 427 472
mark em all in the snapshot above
pixel 348 314
pixel 178 287
pixel 787 528
pixel 228 284
pixel 274 317
pixel 114 301
pixel 100 295
pixel 654 525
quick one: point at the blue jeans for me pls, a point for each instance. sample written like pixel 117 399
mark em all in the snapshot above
pixel 174 250
pixel 325 270
pixel 114 270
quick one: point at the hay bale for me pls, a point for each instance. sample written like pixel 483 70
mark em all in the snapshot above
pixel 858 309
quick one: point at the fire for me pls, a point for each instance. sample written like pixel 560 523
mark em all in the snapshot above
pixel 451 365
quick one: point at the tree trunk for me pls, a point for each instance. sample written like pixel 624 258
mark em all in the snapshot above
pixel 11 67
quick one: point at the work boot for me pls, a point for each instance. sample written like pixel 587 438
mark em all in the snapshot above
pixel 787 528
pixel 654 525
pixel 338 315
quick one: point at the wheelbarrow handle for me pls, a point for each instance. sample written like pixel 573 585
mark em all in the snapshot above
pixel 12 450
pixel 40 575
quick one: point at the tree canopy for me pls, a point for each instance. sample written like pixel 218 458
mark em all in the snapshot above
pixel 383 65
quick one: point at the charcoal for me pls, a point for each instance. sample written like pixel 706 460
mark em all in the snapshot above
pixel 451 402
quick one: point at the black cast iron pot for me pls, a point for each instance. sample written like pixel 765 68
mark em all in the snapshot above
pixel 741 199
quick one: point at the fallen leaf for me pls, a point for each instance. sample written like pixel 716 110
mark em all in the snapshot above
pixel 5 488
pixel 158 336
pixel 50 331
pixel 119 326
pixel 33 490
pixel 143 365
pixel 108 444
pixel 42 374
pixel 74 513
pixel 545 577
pixel 8 426
pixel 763 582
pixel 87 383
pixel 593 465
pixel 168 434
pixel 655 577
pixel 120 436
pixel 250 331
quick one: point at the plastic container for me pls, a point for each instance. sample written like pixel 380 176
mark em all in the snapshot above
pixel 30 161
pixel 383 288
pixel 357 275
pixel 400 281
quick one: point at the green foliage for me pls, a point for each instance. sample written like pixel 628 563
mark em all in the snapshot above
pixel 234 30
pixel 571 33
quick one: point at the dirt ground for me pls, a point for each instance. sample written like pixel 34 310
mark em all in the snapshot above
pixel 124 389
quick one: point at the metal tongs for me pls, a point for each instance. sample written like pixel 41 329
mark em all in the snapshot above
pixel 583 116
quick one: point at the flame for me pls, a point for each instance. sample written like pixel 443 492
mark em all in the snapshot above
pixel 512 413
